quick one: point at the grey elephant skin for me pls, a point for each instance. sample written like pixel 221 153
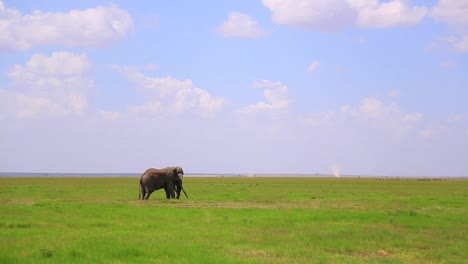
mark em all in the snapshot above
pixel 169 179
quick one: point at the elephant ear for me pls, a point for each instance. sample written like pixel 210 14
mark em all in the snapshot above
pixel 176 173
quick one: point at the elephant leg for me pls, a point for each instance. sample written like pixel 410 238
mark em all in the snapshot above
pixel 141 191
pixel 148 192
pixel 177 190
pixel 169 192
pixel 147 195
pixel 168 195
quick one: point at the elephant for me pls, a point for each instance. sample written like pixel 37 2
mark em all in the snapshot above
pixel 169 178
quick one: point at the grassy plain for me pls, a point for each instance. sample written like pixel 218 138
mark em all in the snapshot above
pixel 234 220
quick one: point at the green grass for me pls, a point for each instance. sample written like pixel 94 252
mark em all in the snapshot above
pixel 234 220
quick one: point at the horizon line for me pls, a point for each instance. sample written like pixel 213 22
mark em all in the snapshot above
pixel 210 174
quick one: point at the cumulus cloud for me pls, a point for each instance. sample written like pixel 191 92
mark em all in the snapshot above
pixel 19 105
pixel 57 65
pixel 372 14
pixel 333 15
pixel 454 13
pixel 276 97
pixel 58 84
pixel 240 25
pixel 394 93
pixel 371 112
pixel 412 117
pixel 367 137
pixel 456 43
pixel 372 107
pixel 336 15
pixel 377 133
pixel 460 43
pixel 168 94
pixel 459 118
pixel 447 64
pixel 427 133
pixel 90 28
pixel 110 115
pixel 387 115
pixel 313 66
pixel 319 118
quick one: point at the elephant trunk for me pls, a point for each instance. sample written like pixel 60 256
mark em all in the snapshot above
pixel 184 192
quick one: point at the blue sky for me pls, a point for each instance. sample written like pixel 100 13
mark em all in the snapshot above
pixel 362 87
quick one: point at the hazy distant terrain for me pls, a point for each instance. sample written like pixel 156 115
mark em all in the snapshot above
pixel 315 175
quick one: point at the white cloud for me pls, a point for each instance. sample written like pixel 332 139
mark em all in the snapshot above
pixel 459 118
pixel 461 44
pixel 336 15
pixel 54 85
pixel 447 64
pixel 333 15
pixel 168 94
pixel 455 14
pixel 19 105
pixel 319 118
pixel 457 43
pixel 137 69
pixel 412 117
pixel 29 107
pixel 371 107
pixel 371 112
pixel 372 14
pixel 427 133
pixel 239 25
pixel 313 66
pixel 77 102
pixel 147 108
pixel 151 67
pixel 345 108
pixel 59 64
pixel 384 144
pixel 380 114
pixel 276 96
pixel 91 28
pixel 110 115
pixel 375 133
pixel 394 93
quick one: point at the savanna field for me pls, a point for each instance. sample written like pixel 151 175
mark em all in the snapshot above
pixel 235 220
